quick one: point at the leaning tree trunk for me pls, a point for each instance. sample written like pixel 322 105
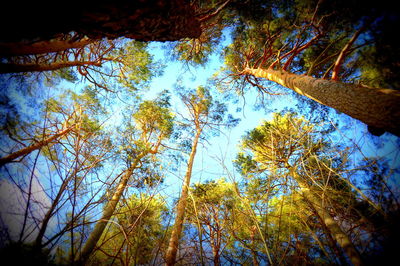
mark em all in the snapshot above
pixel 23 152
pixel 180 210
pixel 41 47
pixel 108 211
pixel 328 221
pixel 20 68
pixel 50 212
pixel 378 108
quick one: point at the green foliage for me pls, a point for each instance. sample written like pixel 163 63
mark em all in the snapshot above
pixel 153 117
pixel 265 31
pixel 206 111
pixel 280 159
pixel 137 65
pixel 134 234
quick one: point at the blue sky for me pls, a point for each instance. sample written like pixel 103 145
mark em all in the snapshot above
pixel 221 150
pixel 218 152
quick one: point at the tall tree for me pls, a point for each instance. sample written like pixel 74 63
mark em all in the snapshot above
pixel 211 208
pixel 203 112
pixel 286 147
pixel 153 124
pixel 320 51
pixel 83 112
pixel 134 233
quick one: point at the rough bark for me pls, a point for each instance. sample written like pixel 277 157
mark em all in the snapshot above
pixel 108 211
pixel 148 20
pixel 180 210
pixel 378 108
pixel 23 152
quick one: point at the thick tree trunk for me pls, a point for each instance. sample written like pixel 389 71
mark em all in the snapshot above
pixel 108 211
pixel 148 20
pixel 41 47
pixel 376 107
pixel 18 68
pixel 37 145
pixel 180 210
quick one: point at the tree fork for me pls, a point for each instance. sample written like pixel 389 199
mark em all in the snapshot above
pixel 379 108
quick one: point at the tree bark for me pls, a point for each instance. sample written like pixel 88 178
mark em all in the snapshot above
pixel 41 47
pixel 107 213
pixel 180 210
pixel 145 20
pixel 334 229
pixel 49 213
pixel 378 108
pixel 31 148
pixel 18 68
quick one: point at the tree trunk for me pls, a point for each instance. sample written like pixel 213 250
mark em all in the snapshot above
pixel 29 149
pixel 49 213
pixel 18 68
pixel 216 259
pixel 41 47
pixel 378 108
pixel 334 229
pixel 180 210
pixel 145 20
pixel 107 213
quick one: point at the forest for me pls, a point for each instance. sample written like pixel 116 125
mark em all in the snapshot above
pixel 200 132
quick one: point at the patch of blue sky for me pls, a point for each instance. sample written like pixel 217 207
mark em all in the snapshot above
pixel 215 155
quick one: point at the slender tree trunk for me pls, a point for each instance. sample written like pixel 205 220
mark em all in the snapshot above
pixel 334 229
pixel 378 108
pixel 332 242
pixel 107 213
pixel 216 259
pixel 37 145
pixel 340 59
pixel 49 213
pixel 180 210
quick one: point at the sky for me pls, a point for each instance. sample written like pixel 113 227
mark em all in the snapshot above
pixel 217 152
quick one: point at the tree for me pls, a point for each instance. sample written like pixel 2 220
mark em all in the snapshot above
pixel 203 112
pixel 83 37
pixel 286 147
pixel 134 233
pixel 65 164
pixel 211 208
pixel 82 111
pixel 107 64
pixel 153 123
pixel 319 51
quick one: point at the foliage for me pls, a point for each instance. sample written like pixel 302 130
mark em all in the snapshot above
pixel 135 232
pixel 290 174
